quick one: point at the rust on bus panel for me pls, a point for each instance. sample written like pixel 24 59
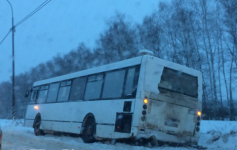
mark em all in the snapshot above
pixel 149 108
pixel 152 126
pixel 187 133
pixel 155 104
pixel 172 122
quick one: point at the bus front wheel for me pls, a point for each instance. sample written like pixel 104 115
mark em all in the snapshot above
pixel 89 130
pixel 36 125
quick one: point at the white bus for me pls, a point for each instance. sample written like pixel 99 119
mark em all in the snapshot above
pixel 142 97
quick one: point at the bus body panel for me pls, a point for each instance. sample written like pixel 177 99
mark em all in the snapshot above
pixel 105 131
pixel 76 111
pixel 154 69
pixel 167 115
pixel 153 72
pixel 139 94
pixel 174 119
pixel 68 116
pixel 164 137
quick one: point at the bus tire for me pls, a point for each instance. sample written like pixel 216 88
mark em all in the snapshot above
pixel 153 141
pixel 36 125
pixel 89 130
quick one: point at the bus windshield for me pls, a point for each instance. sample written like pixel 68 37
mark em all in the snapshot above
pixel 179 82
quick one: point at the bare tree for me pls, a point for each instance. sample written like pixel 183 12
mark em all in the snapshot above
pixel 207 28
pixel 118 42
pixel 150 34
pixel 230 21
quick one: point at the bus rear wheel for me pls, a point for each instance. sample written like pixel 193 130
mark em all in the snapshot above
pixel 89 130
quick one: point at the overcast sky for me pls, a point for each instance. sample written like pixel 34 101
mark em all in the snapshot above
pixel 58 28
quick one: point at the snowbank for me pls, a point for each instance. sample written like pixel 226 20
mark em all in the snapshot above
pixel 222 126
pixel 10 123
pixel 220 135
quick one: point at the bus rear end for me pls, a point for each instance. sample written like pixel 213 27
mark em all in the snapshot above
pixel 171 105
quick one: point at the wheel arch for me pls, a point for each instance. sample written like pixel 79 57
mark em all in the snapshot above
pixel 89 115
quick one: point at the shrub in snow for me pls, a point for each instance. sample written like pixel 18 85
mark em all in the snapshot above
pixel 225 137
pixel 232 132
pixel 215 136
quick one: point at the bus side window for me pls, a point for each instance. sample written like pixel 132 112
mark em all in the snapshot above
pixel 93 87
pixel 128 90
pixel 43 92
pixel 131 82
pixel 78 89
pixel 64 91
pixel 113 86
pixel 53 92
pixel 33 96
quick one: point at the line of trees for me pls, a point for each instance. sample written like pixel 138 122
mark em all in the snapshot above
pixel 199 34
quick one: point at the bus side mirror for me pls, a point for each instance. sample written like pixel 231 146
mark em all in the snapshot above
pixel 28 92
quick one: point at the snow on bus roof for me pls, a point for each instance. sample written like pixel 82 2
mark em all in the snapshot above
pixel 117 65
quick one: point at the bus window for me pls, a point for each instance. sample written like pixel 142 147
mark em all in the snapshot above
pixel 179 82
pixel 64 91
pixel 113 86
pixel 129 82
pixel 34 95
pixel 53 92
pixel 93 87
pixel 92 78
pixel 78 89
pixel 42 94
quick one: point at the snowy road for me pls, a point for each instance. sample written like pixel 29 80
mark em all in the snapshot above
pixel 23 138
pixel 19 137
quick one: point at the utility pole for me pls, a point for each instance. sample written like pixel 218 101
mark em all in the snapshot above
pixel 13 66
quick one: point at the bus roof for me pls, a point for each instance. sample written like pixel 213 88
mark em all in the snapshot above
pixel 178 67
pixel 117 65
pixel 112 66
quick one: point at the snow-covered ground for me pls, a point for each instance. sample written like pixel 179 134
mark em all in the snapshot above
pixel 214 135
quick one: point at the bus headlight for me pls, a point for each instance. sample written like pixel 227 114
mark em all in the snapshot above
pixel 199 113
pixel 36 107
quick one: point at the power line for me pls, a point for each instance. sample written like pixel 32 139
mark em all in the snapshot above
pixel 25 18
pixel 5 36
pixel 32 13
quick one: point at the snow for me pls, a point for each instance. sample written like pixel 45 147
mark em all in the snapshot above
pixel 222 126
pixel 220 135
